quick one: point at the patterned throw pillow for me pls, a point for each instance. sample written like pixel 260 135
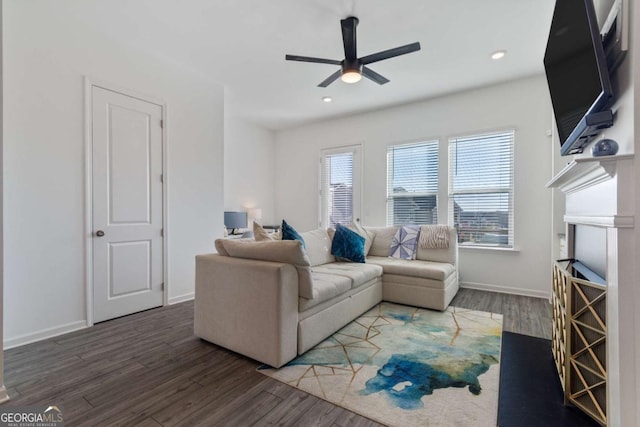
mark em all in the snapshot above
pixel 290 233
pixel 347 245
pixel 405 242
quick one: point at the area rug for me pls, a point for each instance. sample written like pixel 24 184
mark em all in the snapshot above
pixel 405 366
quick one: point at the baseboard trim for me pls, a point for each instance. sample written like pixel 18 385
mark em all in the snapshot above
pixel 506 290
pixel 4 396
pixel 182 298
pixel 44 334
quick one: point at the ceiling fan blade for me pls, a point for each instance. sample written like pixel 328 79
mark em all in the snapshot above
pixel 310 59
pixel 349 37
pixel 373 76
pixel 332 78
pixel 386 54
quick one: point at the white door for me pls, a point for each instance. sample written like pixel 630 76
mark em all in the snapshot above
pixel 126 204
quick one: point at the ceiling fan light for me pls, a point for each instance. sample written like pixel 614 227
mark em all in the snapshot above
pixel 351 76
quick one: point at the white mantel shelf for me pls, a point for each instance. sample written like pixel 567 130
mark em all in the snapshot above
pixel 584 172
pixel 611 221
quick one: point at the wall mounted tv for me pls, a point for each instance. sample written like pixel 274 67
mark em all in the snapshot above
pixel 577 74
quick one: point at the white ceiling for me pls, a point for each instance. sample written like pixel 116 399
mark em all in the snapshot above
pixel 242 45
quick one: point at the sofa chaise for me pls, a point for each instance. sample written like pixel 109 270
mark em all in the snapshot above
pixel 274 300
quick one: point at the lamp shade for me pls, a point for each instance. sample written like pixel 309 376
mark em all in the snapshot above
pixel 235 219
pixel 254 213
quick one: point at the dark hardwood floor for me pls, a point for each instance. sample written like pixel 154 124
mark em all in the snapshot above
pixel 148 369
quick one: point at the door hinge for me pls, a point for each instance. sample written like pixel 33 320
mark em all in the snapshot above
pixel 162 286
pixel 162 232
pixel 161 177
pixel 162 123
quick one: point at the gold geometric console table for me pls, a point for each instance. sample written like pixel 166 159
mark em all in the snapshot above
pixel 579 340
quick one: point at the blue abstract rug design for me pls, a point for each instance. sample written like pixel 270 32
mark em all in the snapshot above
pixel 406 366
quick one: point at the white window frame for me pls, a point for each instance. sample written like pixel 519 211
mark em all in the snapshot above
pixel 390 171
pixel 485 190
pixel 323 188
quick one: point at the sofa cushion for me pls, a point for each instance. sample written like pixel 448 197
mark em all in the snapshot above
pixel 284 251
pixel 419 282
pixel 290 233
pixel 348 245
pixel 415 268
pixel 318 246
pixel 357 273
pixel 220 247
pixel 382 240
pixel 325 287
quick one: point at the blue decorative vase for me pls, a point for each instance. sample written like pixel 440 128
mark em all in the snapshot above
pixel 604 147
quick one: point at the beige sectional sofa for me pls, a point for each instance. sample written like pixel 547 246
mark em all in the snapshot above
pixel 273 300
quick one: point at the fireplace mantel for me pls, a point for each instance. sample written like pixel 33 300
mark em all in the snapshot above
pixel 611 221
pixel 599 192
pixel 583 172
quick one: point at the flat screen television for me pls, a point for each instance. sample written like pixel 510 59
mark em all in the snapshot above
pixel 577 74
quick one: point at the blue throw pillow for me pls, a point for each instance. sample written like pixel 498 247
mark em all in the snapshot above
pixel 290 233
pixel 347 245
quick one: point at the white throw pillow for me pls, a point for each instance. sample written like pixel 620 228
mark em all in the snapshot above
pixel 368 237
pixel 260 234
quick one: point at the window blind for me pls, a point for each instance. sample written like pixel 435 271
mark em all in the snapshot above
pixel 412 183
pixel 337 191
pixel 481 188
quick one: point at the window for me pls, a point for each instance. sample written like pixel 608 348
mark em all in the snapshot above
pixel 481 189
pixel 412 183
pixel 340 186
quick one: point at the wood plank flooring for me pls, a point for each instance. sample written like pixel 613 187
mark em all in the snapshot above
pixel 522 315
pixel 147 369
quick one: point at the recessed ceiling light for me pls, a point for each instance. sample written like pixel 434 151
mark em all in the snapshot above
pixel 327 99
pixel 498 54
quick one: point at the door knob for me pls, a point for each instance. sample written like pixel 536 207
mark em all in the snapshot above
pixel 99 233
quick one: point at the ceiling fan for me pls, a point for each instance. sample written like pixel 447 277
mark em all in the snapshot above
pixel 353 68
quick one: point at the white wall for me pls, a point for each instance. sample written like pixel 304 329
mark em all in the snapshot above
pixel 3 391
pixel 49 47
pixel 249 167
pixel 523 105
